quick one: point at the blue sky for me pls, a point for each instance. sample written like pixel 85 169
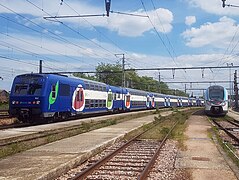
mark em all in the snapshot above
pixel 178 33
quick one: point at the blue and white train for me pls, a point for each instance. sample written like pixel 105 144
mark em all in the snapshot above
pixel 216 100
pixel 41 96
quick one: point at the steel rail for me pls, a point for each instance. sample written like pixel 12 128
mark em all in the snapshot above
pixel 89 170
pixel 226 131
pixel 234 123
pixel 146 171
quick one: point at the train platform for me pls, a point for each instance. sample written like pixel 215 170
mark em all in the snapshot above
pixel 11 134
pixel 51 160
pixel 201 156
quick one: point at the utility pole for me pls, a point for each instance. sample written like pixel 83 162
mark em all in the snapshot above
pixel 230 85
pixel 159 90
pixel 123 69
pixel 236 89
pixel 40 67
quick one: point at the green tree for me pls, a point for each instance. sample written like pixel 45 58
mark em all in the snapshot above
pixel 112 74
pixel 86 76
pixel 109 74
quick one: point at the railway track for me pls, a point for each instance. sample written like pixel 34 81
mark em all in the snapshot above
pixel 132 159
pixel 231 129
pixel 4 114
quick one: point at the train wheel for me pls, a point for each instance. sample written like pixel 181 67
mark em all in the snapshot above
pixel 64 115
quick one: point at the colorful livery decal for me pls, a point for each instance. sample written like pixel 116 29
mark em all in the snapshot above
pixel 127 100
pixel 109 102
pixel 53 94
pixel 78 99
pixel 153 101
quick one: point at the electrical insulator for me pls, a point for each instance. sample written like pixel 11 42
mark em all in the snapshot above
pixel 235 80
pixel 107 7
pixel 223 3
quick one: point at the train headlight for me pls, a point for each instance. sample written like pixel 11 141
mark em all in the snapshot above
pixel 13 102
pixel 223 103
pixel 38 102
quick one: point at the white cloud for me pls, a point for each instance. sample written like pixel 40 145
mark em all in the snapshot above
pixel 218 34
pixel 215 6
pixel 130 26
pixel 189 20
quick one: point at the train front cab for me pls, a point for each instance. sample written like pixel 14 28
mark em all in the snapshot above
pixel 214 105
pixel 26 99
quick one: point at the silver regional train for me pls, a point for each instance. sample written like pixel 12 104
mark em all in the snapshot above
pixel 216 100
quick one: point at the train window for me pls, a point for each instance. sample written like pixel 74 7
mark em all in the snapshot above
pixel 87 103
pixel 127 98
pixel 77 96
pixel 34 89
pixel 119 95
pixel 96 87
pixel 104 103
pixel 87 86
pixel 100 103
pixel 81 96
pixel 104 88
pixel 64 90
pixel 53 91
pixel 115 96
pixel 110 97
pixel 20 89
pixel 91 103
pixel 96 103
pixel 92 87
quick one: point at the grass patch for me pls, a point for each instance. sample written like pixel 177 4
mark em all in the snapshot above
pixel 162 125
pixel 4 106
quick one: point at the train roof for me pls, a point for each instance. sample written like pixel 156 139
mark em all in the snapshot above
pixel 60 76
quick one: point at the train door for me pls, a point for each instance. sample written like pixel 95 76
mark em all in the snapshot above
pixel 109 102
pixel 153 102
pixel 165 102
pixel 148 101
pixel 78 100
pixel 169 104
pixel 181 102
pixel 53 96
pixel 127 100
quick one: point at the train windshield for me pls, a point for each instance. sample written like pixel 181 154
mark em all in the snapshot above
pixel 28 85
pixel 216 94
pixel 29 89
